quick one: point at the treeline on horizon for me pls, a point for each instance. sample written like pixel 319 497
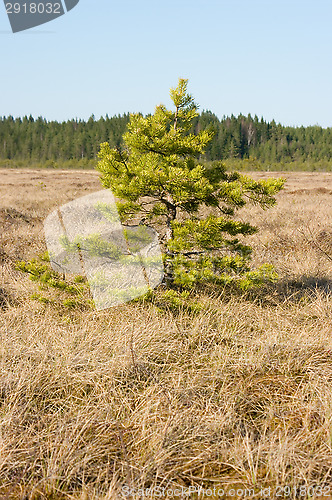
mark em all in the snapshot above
pixel 250 141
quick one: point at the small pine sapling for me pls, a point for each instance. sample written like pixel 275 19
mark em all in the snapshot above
pixel 162 180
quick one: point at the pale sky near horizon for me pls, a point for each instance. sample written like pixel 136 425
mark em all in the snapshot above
pixel 270 58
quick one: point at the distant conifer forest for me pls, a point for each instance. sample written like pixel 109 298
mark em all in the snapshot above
pixel 245 142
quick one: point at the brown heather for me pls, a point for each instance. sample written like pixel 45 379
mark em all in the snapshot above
pixel 236 396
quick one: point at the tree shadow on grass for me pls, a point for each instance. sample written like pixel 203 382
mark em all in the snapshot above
pixel 6 299
pixel 292 289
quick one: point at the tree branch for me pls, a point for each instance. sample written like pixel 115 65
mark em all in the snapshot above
pixel 123 161
pixel 176 118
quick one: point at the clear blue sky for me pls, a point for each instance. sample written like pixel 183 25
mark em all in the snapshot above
pixel 266 57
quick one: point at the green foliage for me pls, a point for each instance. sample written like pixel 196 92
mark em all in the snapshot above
pixel 69 291
pixel 175 301
pixel 94 245
pixel 160 177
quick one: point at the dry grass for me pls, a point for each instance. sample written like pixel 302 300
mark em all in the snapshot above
pixel 238 396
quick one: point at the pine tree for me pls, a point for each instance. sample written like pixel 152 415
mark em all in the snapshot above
pixel 159 178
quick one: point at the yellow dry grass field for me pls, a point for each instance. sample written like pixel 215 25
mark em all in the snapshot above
pixel 137 401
